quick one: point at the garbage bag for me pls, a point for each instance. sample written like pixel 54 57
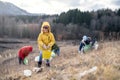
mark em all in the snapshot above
pixel 25 61
pixel 27 73
pixel 37 58
pixel 87 47
pixel 46 54
pixel 52 54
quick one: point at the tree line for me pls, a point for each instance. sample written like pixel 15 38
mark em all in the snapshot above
pixel 102 24
pixel 22 26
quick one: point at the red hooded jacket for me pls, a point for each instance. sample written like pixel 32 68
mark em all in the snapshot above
pixel 24 51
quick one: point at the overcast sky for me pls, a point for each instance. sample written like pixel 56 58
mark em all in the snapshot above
pixel 58 6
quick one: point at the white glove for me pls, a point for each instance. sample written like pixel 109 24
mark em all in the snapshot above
pixel 48 47
pixel 44 46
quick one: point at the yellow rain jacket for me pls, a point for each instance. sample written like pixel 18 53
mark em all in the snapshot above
pixel 45 38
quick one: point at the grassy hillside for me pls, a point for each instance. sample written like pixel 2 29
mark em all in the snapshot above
pixel 68 66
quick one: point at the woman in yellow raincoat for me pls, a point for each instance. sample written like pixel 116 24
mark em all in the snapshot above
pixel 45 41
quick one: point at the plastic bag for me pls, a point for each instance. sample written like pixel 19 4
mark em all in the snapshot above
pixel 37 58
pixel 27 73
pixel 52 54
pixel 46 54
pixel 25 61
pixel 87 47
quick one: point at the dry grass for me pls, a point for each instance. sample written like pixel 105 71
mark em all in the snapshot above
pixel 68 65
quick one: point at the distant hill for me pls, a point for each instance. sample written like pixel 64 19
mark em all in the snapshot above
pixel 7 8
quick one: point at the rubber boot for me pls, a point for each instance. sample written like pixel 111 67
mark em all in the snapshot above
pixel 48 64
pixel 39 64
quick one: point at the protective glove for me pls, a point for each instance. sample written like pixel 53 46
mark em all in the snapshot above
pixel 48 46
pixel 44 46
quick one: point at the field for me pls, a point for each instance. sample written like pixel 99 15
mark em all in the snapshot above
pixel 68 66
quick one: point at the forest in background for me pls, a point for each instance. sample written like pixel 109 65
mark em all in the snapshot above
pixel 102 24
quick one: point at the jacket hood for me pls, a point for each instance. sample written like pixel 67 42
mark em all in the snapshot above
pixel 84 37
pixel 45 24
pixel 30 48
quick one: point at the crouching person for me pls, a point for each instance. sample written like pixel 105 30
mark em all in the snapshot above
pixel 82 44
pixel 56 49
pixel 23 53
pixel 45 42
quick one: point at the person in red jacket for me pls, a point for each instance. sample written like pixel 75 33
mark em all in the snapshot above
pixel 24 52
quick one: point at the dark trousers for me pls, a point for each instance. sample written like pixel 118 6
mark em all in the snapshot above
pixel 81 46
pixel 20 60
